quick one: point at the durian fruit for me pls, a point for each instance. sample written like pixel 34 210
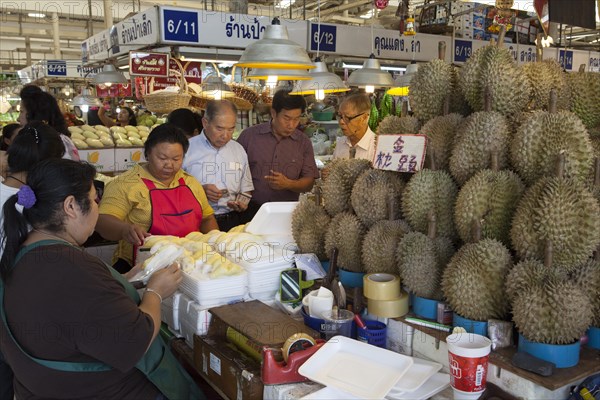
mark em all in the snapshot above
pixel 585 87
pixel 376 195
pixel 429 191
pixel 440 132
pixel 309 225
pixel 542 136
pixel 430 86
pixel 494 67
pixel 421 261
pixel 482 134
pixel 473 281
pixel 524 276
pixel 491 198
pixel 543 76
pixel 550 308
pixel 346 233
pixel 562 211
pixel 379 246
pixel 337 188
pixel 594 178
pixel 587 277
pixel 393 125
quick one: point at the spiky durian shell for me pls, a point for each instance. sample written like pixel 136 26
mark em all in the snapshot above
pixel 491 198
pixel 543 77
pixel 588 278
pixel 430 190
pixel 440 133
pixel 595 140
pixel 481 134
pixel 379 246
pixel 309 225
pixel 421 262
pixel 585 87
pixel 372 193
pixel 393 125
pixel 337 188
pixel 429 88
pixel 525 275
pixel 346 233
pixel 562 211
pixel 473 281
pixel 554 311
pixel 540 139
pixel 494 68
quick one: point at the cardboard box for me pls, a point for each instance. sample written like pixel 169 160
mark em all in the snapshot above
pixel 236 375
pixel 478 22
pixel 227 367
pixel 102 159
pixel 127 157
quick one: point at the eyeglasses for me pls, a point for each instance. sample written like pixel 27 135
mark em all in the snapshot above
pixel 347 119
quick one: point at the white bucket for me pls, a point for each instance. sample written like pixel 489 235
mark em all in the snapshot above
pixel 468 355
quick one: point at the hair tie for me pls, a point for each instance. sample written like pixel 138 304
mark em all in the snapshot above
pixel 26 197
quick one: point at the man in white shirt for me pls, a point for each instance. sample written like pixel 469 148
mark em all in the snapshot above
pixel 358 140
pixel 221 164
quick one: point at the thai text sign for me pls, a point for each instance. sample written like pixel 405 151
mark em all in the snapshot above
pixel 148 64
pixel 402 153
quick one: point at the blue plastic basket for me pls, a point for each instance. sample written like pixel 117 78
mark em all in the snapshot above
pixel 424 308
pixel 594 337
pixel 375 333
pixel 470 325
pixel 562 355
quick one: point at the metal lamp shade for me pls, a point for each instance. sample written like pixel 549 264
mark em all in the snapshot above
pixel 321 79
pixel 281 74
pixel 214 84
pixel 275 50
pixel 109 74
pixel 86 99
pixel 402 83
pixel 370 74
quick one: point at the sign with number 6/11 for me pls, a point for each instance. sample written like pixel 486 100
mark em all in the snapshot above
pixel 402 153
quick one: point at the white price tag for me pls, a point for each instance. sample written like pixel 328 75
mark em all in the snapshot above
pixel 402 153
pixel 215 363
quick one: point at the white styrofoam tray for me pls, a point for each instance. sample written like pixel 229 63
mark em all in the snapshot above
pixel 355 367
pixel 417 375
pixel 438 382
pixel 329 393
pixel 273 218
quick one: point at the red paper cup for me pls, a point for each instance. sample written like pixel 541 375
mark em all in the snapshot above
pixel 468 355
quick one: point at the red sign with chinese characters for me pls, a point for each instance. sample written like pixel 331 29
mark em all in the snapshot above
pixel 148 64
pixel 192 71
pixel 119 90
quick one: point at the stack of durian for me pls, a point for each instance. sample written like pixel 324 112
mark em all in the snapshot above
pixel 493 188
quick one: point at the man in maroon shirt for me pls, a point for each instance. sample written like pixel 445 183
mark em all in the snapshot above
pixel 281 157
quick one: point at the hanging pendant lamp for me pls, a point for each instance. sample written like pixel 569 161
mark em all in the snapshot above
pixel 321 81
pixel 214 88
pixel 278 74
pixel 275 50
pixel 402 83
pixel 108 76
pixel 370 75
pixel 85 100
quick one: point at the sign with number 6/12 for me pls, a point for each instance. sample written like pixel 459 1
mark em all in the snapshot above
pixel 323 37
pixel 402 153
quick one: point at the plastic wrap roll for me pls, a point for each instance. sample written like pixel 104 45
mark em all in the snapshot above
pixel 389 308
pixel 381 286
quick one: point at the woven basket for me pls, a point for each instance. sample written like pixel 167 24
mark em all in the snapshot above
pixel 165 102
pixel 200 102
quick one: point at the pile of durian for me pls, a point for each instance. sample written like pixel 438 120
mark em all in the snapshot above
pixel 503 184
pixel 99 136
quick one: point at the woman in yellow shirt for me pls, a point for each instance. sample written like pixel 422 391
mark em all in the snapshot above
pixel 157 197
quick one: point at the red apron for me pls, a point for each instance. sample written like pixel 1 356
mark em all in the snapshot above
pixel 175 211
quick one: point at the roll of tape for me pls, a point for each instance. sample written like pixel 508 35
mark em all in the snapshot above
pixel 296 342
pixel 381 286
pixel 389 308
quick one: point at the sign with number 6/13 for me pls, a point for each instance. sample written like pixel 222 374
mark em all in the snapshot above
pixel 402 153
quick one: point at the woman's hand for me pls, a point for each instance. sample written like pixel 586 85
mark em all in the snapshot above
pixel 166 281
pixel 134 234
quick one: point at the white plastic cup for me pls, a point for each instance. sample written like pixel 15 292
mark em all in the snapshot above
pixel 337 322
pixel 468 355
pixel 319 302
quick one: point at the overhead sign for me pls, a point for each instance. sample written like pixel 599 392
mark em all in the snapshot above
pixel 179 25
pixel 323 37
pixel 148 64
pixel 402 153
pixel 565 59
pixel 136 32
pixel 57 67
pixel 192 72
pixel 463 49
